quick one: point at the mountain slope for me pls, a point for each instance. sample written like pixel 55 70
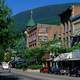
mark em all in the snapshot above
pixel 46 15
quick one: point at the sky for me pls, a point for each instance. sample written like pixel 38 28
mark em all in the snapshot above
pixel 18 6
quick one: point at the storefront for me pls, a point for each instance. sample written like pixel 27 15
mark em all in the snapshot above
pixel 68 60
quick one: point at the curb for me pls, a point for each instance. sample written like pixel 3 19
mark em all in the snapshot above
pixel 30 70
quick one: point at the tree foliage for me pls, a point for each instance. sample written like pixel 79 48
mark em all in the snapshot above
pixel 7 37
pixel 76 46
pixel 7 56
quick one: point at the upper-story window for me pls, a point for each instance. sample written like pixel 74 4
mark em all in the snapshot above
pixel 55 35
pixel 46 29
pixel 43 30
pixel 43 38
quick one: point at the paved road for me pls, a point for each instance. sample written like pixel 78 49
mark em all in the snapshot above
pixel 5 75
pixel 20 75
pixel 12 76
pixel 44 76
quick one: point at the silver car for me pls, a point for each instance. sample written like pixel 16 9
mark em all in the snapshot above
pixel 6 66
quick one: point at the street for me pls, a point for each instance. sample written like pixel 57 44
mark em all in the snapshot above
pixel 20 75
pixel 12 76
pixel 5 75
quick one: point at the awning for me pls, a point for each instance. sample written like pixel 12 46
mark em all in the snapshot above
pixel 63 56
pixel 75 55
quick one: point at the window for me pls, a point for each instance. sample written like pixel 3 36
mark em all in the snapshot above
pixel 43 38
pixel 64 39
pixel 43 30
pixel 59 38
pixel 46 29
pixel 54 35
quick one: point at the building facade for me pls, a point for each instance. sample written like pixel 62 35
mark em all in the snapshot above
pixel 76 29
pixel 42 32
pixel 68 24
pixel 37 32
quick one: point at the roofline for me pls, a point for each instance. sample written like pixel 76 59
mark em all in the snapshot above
pixel 75 18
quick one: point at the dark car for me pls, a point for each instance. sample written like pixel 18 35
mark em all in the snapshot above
pixel 18 63
pixel 75 71
pixel 54 70
pixel 13 63
pixel 64 71
pixel 21 64
pixel 44 70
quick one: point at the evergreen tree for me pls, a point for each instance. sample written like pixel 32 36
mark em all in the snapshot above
pixel 6 35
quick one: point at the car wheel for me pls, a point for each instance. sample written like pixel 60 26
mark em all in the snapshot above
pixel 9 70
pixel 70 74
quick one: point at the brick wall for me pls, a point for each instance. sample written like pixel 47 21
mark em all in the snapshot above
pixel 45 31
pixel 75 10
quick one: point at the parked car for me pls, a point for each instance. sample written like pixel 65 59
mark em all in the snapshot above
pixel 18 63
pixel 6 66
pixel 21 64
pixel 54 70
pixel 75 71
pixel 64 71
pixel 13 62
pixel 44 70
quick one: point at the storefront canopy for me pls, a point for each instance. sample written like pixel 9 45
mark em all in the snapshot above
pixel 68 56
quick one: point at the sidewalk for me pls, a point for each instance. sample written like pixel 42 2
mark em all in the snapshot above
pixel 29 70
pixel 43 76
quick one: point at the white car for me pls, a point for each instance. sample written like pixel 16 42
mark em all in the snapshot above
pixel 6 66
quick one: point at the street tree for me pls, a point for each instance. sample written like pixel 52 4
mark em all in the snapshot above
pixel 52 46
pixel 7 37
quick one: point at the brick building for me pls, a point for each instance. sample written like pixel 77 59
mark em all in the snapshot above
pixel 70 24
pixel 76 29
pixel 37 32
pixel 42 32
